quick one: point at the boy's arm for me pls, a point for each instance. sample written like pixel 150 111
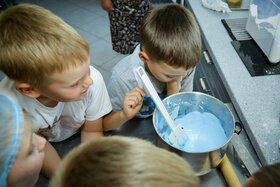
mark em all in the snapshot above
pixel 51 160
pixel 132 103
pixel 92 129
pixel 107 5
pixel 172 88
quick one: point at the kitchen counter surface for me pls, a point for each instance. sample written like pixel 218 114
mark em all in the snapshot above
pixel 144 129
pixel 256 99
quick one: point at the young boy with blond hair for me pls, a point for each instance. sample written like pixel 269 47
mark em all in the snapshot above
pixel 123 161
pixel 169 50
pixel 49 74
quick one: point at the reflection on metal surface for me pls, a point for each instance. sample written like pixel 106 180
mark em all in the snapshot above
pixel 253 58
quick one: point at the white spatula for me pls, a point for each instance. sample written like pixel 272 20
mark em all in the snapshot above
pixel 177 136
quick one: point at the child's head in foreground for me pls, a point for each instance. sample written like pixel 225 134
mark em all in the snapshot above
pixel 123 161
pixel 40 51
pixel 170 39
pixel 21 154
pixel 268 176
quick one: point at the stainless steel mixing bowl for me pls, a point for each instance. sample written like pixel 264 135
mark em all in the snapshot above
pixel 202 161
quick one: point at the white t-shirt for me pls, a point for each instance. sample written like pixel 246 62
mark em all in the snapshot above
pixel 124 78
pixel 63 120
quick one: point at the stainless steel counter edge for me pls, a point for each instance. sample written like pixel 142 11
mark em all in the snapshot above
pixel 256 99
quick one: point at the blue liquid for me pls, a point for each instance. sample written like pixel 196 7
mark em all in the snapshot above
pixel 204 132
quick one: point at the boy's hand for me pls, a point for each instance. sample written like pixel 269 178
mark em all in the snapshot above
pixel 107 5
pixel 133 101
pixel 131 105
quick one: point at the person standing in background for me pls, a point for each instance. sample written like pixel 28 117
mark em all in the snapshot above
pixel 125 20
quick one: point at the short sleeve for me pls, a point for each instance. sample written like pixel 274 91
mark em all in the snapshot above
pixel 98 99
pixel 187 83
pixel 117 89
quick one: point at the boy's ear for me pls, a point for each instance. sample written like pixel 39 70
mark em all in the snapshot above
pixel 27 90
pixel 143 56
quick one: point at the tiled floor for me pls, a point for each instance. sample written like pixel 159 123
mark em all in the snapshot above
pixel 92 22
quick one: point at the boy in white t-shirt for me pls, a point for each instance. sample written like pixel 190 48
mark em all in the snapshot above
pixel 49 74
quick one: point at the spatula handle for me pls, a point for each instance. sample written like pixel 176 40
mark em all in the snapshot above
pixel 149 86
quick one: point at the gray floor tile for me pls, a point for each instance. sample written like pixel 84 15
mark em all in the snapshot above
pixel 101 51
pixel 94 6
pixel 107 36
pixel 85 3
pixel 79 17
pixel 98 25
pixel 88 36
pixel 108 65
pixel 58 7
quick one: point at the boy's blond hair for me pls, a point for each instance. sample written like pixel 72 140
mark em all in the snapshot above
pixel 171 35
pixel 123 161
pixel 35 43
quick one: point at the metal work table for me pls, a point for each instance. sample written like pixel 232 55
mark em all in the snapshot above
pixel 143 128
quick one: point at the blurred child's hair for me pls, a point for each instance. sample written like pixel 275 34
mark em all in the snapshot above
pixel 34 43
pixel 123 161
pixel 171 35
pixel 267 176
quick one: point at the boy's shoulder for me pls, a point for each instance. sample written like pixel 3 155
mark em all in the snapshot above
pixel 126 66
pixel 96 76
pixel 94 73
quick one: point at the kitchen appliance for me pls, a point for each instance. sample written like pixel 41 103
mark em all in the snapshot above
pixel 253 57
pixel 264 27
pixel 201 161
